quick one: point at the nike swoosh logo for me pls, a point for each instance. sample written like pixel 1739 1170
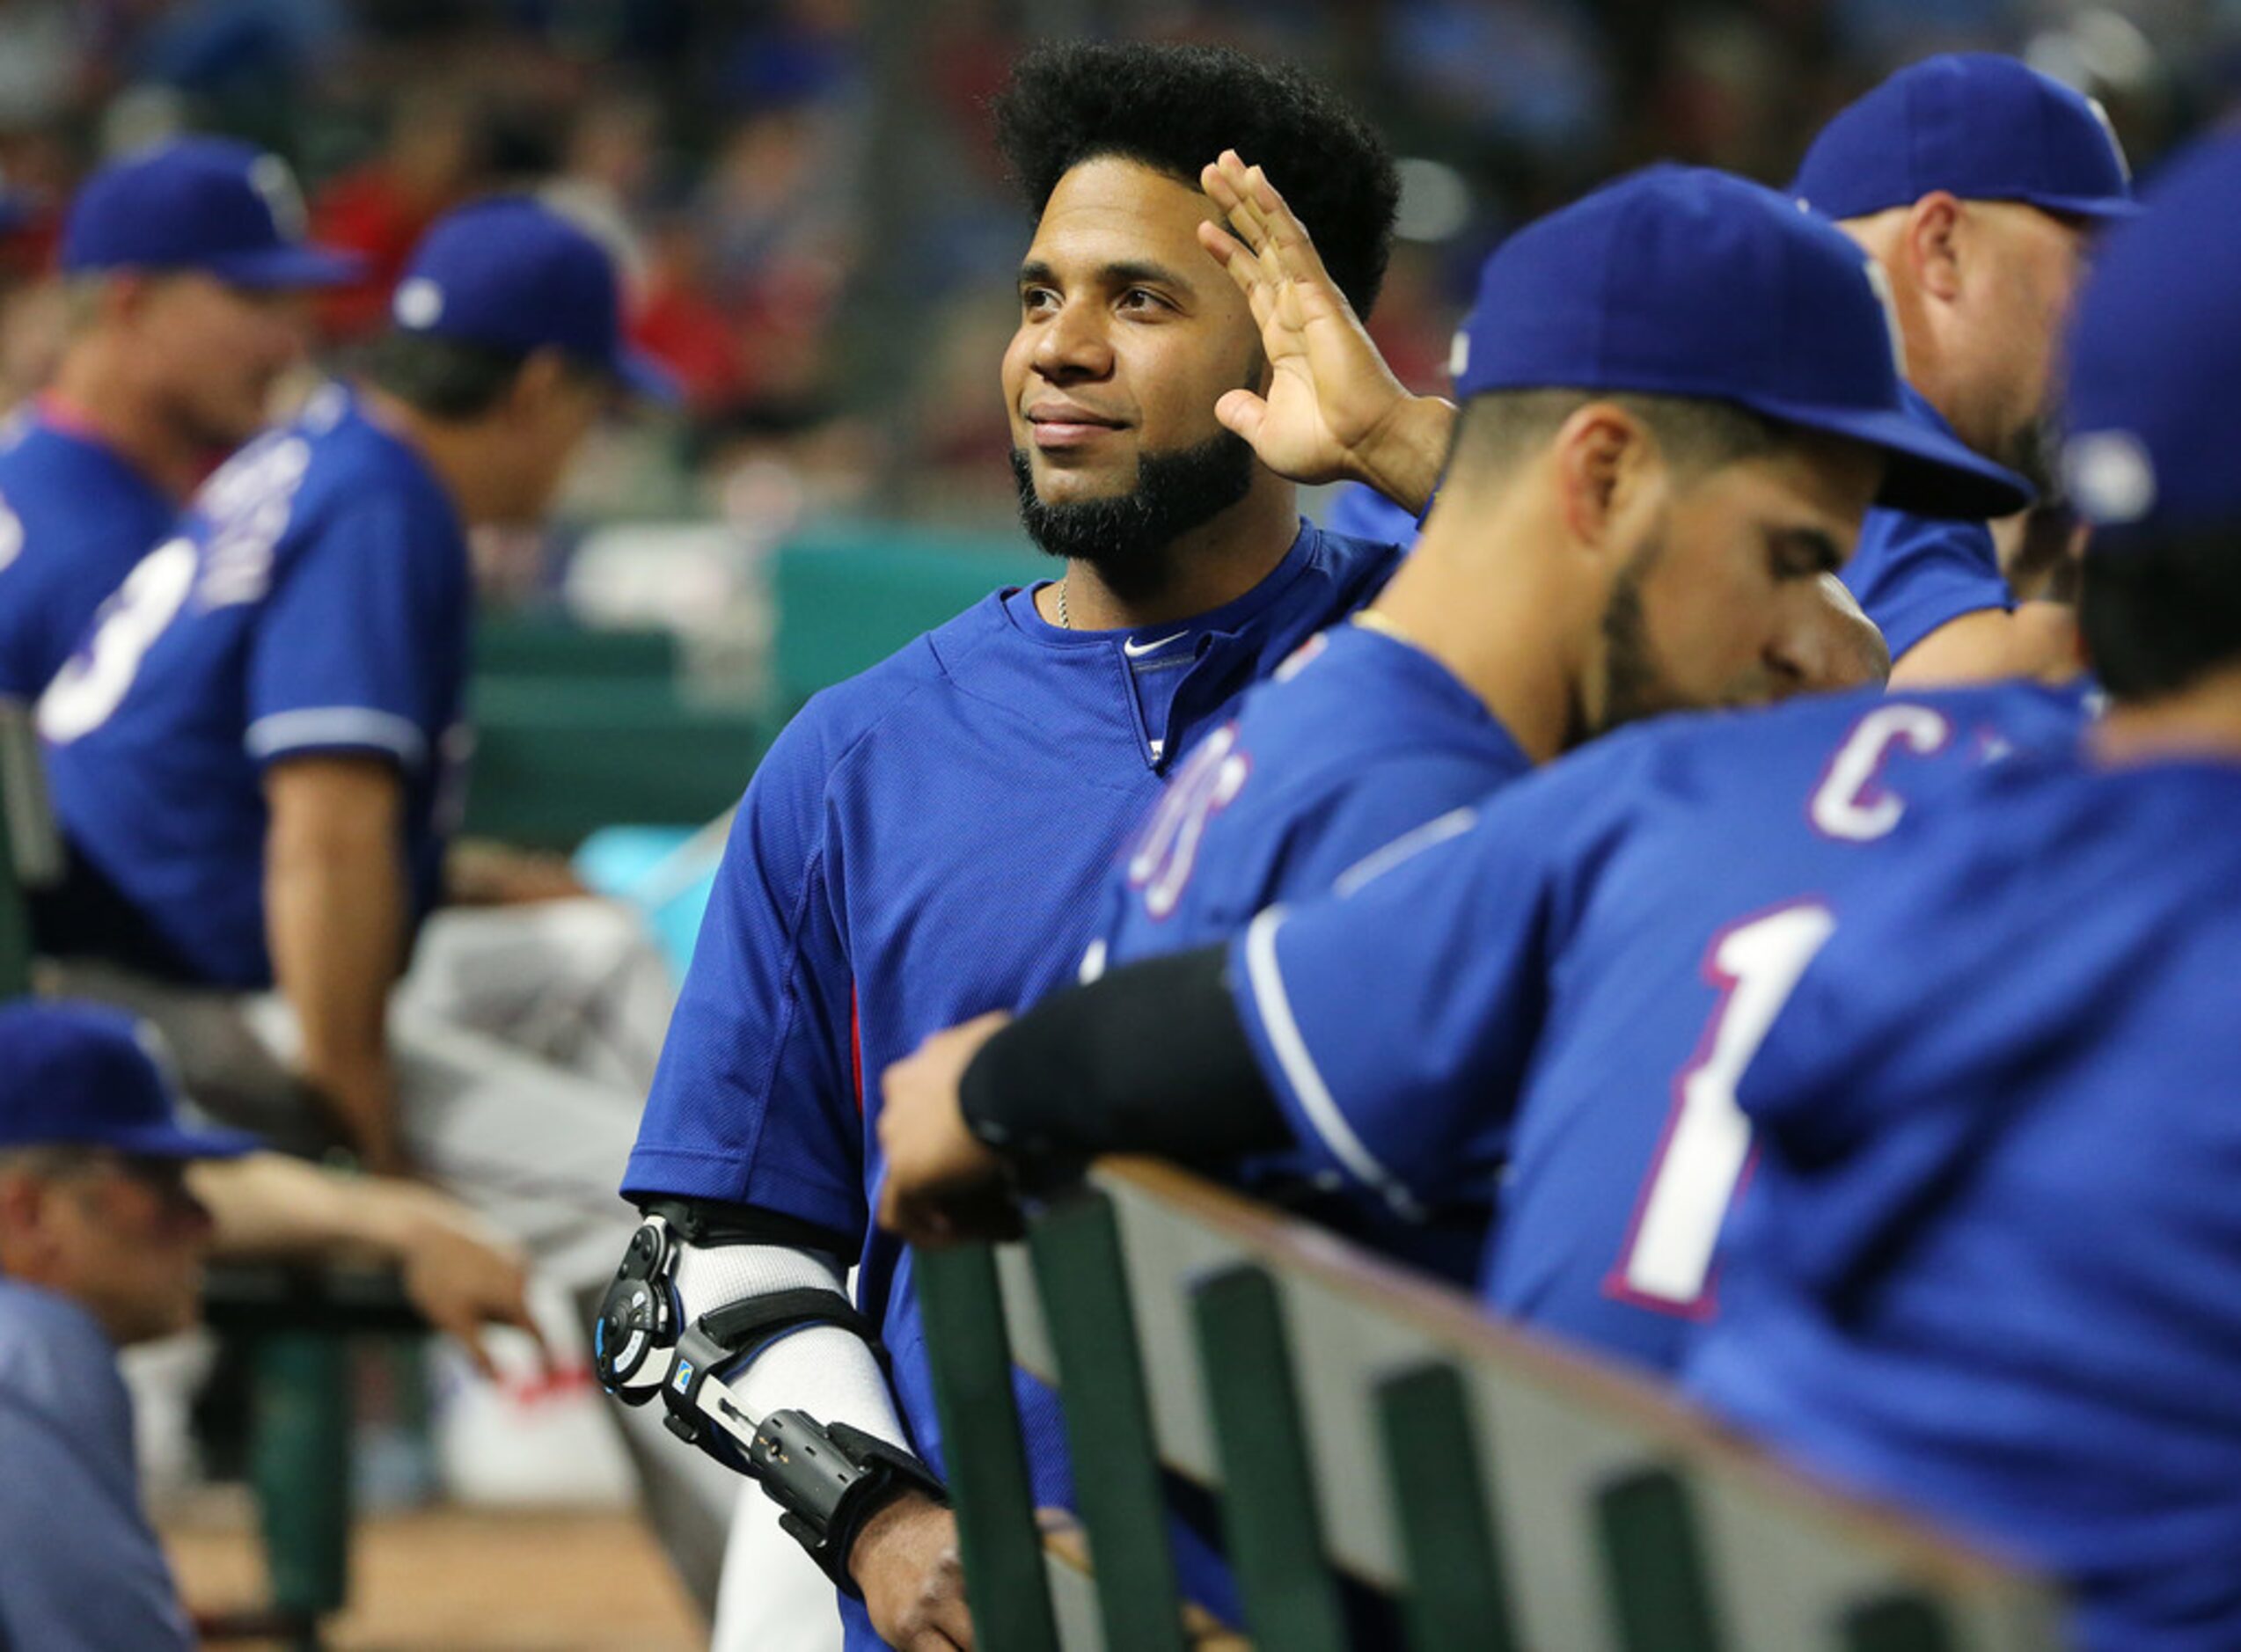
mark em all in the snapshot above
pixel 1136 650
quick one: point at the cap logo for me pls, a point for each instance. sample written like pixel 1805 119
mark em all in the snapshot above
pixel 419 303
pixel 1879 284
pixel 1458 353
pixel 2108 127
pixel 2110 476
pixel 270 177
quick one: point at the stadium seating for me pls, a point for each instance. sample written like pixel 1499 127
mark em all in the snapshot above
pixel 851 593
pixel 579 729
pixel 1355 1418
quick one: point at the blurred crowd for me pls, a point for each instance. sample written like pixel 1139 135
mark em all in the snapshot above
pixel 817 231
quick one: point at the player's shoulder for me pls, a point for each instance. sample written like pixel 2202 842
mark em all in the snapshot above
pixel 1343 570
pixel 882 708
pixel 347 456
pixel 1976 721
pixel 45 474
pixel 1349 673
pixel 49 1347
pixel 1892 539
pixel 27 445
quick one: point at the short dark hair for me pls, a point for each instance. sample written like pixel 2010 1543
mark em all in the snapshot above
pixel 1176 109
pixel 49 1161
pixel 2158 612
pixel 1697 433
pixel 444 378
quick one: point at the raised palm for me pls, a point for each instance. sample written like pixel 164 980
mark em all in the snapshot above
pixel 1332 405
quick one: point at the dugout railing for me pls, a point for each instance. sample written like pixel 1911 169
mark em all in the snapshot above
pixel 1356 1420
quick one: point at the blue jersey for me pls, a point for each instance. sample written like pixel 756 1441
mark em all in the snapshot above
pixel 1360 746
pixel 74 518
pixel 1914 573
pixel 318 599
pixel 1568 988
pixel 1357 740
pixel 1363 513
pixel 1987 1263
pixel 924 843
pixel 80 1568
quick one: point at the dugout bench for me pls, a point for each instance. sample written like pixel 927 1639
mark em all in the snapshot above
pixel 1354 1418
pixel 297 1323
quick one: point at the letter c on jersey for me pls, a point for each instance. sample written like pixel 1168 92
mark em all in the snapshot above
pixel 1850 803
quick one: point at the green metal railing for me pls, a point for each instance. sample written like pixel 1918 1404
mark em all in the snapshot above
pixel 1367 1433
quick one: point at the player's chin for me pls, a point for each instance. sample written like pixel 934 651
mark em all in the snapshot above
pixel 230 424
pixel 1078 480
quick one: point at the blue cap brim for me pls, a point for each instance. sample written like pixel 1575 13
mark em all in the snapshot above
pixel 176 1141
pixel 2101 209
pixel 1927 473
pixel 280 266
pixel 643 375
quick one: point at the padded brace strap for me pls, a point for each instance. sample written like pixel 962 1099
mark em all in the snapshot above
pixel 743 1326
pixel 709 1222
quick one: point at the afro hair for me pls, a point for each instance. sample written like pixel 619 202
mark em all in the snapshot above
pixel 1176 109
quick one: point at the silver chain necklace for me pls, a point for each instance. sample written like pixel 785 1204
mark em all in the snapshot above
pixel 1064 623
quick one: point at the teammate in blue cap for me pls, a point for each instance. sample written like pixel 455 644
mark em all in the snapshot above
pixel 255 754
pixel 927 841
pixel 1977 183
pixel 109 1202
pixel 101 1246
pixel 1987 1263
pixel 184 266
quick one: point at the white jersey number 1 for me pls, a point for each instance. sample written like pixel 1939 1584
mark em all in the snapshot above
pixel 1668 1257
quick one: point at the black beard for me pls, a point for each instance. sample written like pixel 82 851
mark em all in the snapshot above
pixel 1124 538
pixel 1634 688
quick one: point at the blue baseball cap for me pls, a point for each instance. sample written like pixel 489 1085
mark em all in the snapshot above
pixel 201 203
pixel 1685 281
pixel 512 273
pixel 2155 354
pixel 1975 125
pixel 78 1075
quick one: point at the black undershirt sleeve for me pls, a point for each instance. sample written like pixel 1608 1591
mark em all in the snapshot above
pixel 1149 1059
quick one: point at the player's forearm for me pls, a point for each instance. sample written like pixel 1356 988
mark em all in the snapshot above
pixel 2037 640
pixel 269 1205
pixel 1152 1059
pixel 335 909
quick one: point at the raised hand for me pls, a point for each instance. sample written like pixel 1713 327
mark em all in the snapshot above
pixel 1333 412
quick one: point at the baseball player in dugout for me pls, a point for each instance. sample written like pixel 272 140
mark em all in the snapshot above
pixel 1986 1264
pixel 929 840
pixel 186 267
pixel 1977 185
pixel 256 760
pixel 108 1204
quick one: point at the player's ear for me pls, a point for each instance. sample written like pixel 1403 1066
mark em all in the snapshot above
pixel 545 375
pixel 116 296
pixel 23 1201
pixel 1931 244
pixel 1603 457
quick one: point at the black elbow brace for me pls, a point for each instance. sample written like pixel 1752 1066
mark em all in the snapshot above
pixel 829 1480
